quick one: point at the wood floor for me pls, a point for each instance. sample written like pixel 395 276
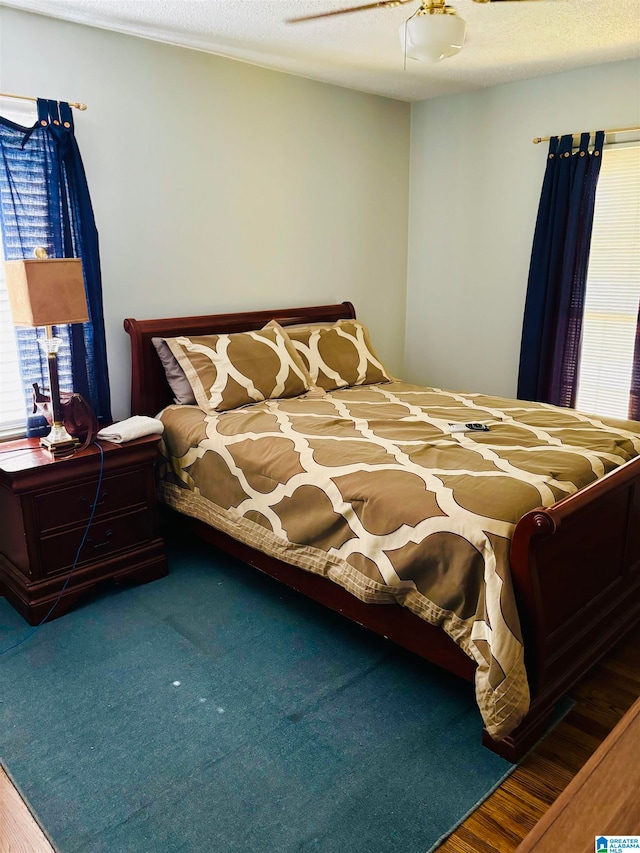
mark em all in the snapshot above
pixel 19 833
pixel 504 819
pixel 603 799
pixel 602 697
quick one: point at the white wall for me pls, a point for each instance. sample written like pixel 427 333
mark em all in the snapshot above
pixel 475 185
pixel 220 186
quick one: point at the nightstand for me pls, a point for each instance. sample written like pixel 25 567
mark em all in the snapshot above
pixel 45 505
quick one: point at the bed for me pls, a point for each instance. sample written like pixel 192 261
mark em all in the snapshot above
pixel 533 579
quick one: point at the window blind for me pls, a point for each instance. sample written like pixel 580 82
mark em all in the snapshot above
pixel 12 402
pixel 613 286
pixel 12 406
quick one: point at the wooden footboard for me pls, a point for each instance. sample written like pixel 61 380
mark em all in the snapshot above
pixel 576 565
pixel 576 573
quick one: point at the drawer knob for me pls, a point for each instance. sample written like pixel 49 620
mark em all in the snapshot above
pixel 86 501
pixel 106 542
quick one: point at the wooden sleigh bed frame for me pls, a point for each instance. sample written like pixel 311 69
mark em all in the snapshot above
pixel 575 565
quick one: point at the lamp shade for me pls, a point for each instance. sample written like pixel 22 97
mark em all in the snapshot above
pixel 46 292
pixel 430 38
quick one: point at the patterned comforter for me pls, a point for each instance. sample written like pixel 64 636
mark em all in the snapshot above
pixel 369 487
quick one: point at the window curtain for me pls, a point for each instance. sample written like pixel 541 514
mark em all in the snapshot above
pixel 634 396
pixel 44 201
pixel 552 326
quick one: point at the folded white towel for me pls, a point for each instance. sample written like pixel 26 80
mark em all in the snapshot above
pixel 131 428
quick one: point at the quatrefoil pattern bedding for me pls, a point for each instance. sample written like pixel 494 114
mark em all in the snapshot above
pixel 368 486
pixel 336 355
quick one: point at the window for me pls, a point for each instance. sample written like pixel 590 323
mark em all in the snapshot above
pixel 613 286
pixel 15 390
pixel 12 404
pixel 13 415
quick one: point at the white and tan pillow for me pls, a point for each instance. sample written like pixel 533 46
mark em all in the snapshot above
pixel 227 371
pixel 337 355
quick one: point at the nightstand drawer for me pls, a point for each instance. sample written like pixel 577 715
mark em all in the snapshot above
pixel 104 539
pixel 72 505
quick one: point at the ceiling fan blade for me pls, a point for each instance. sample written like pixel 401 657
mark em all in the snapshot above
pixel 380 5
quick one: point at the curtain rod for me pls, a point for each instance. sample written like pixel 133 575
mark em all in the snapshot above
pixel 28 98
pixel 611 130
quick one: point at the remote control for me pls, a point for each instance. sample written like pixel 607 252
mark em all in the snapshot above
pixel 473 427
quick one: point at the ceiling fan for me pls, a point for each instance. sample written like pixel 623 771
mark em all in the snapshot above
pixel 433 32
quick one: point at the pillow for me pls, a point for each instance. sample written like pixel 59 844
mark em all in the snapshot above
pixel 178 382
pixel 227 371
pixel 337 355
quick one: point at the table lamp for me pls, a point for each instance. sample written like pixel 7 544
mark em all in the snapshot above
pixel 48 292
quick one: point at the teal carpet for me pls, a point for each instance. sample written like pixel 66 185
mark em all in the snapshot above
pixel 216 711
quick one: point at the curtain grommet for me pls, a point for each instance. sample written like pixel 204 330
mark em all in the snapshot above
pixel 43 123
pixel 67 124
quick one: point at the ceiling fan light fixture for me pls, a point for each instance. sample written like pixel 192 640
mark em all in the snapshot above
pixel 431 37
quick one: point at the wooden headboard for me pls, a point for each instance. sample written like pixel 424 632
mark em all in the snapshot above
pixel 150 391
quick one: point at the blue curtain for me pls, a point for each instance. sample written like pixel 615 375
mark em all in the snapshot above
pixel 44 201
pixel 552 327
pixel 634 396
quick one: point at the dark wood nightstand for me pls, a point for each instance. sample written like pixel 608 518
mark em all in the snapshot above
pixel 44 509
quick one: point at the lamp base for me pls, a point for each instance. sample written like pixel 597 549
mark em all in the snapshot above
pixel 58 442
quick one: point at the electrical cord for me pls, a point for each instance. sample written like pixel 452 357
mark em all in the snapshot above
pixel 75 562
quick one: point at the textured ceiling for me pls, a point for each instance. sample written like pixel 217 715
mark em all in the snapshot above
pixel 505 41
